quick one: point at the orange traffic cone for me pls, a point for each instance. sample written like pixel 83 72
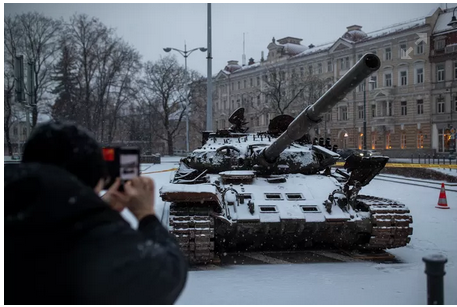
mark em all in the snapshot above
pixel 442 201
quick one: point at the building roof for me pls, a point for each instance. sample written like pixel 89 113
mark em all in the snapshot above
pixel 443 20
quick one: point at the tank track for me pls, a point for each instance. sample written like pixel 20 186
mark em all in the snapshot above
pixel 193 228
pixel 391 223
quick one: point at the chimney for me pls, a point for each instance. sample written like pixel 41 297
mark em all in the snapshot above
pixel 354 27
pixel 311 46
pixel 251 61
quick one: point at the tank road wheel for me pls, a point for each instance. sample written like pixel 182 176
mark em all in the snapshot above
pixel 193 228
pixel 391 223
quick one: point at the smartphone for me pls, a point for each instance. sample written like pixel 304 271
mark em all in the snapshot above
pixel 123 162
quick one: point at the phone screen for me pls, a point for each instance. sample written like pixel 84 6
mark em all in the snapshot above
pixel 129 166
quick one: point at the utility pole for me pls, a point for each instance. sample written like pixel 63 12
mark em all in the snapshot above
pixel 209 79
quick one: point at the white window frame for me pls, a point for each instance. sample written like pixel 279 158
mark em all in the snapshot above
pixel 440 105
pixel 402 51
pixel 420 106
pixel 400 78
pixel 373 85
pixel 387 54
pixel 420 48
pixel 440 72
pixel 386 79
pixel 419 79
pixel 404 108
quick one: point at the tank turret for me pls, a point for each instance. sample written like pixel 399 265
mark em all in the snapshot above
pixel 311 116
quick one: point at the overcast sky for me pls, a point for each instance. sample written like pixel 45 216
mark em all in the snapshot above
pixel 149 27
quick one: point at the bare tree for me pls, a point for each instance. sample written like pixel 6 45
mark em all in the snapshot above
pixel 39 44
pixel 165 90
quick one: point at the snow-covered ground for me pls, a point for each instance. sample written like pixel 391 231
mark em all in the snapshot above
pixel 435 232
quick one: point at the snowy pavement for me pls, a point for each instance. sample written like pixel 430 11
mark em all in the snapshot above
pixel 435 232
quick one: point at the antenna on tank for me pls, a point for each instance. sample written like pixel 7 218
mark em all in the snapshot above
pixel 243 59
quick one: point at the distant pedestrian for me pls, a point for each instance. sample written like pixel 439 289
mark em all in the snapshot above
pixel 66 245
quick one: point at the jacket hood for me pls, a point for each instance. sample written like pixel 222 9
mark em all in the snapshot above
pixel 43 196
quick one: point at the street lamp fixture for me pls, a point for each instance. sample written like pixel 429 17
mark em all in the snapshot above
pixel 185 53
pixel 453 22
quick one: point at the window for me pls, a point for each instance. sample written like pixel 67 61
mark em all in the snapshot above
pixel 302 71
pixel 24 131
pixel 283 75
pixel 233 104
pixel 390 108
pixel 373 82
pixel 244 84
pixel 342 64
pixel 330 66
pixel 374 136
pixel 419 75
pixel 403 140
pixel 455 103
pixel 455 70
pixel 239 84
pixel 258 81
pixel 344 113
pixel 388 80
pixel 319 68
pixel 403 78
pixel 360 111
pixel 310 69
pixel 402 53
pixel 373 110
pixel 404 108
pixel 348 63
pixel 232 86
pixel 420 48
pixel 444 137
pixel 439 44
pixel 440 105
pixel 258 100
pixel 251 83
pixel 388 141
pixel 420 140
pixel 15 131
pixel 388 54
pixel 420 106
pixel 439 72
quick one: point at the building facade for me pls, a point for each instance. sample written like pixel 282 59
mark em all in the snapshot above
pixel 401 99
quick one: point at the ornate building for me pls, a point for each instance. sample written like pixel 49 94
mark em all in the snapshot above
pixel 401 99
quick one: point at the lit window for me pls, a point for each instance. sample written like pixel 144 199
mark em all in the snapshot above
pixel 373 140
pixel 420 140
pixel 388 143
pixel 403 140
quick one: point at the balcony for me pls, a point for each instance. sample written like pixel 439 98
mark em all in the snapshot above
pixel 441 117
pixel 383 120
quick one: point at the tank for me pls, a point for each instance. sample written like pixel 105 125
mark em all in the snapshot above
pixel 276 190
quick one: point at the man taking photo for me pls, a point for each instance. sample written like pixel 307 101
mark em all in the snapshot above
pixel 66 245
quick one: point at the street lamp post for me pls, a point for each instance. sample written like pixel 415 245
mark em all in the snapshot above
pixel 365 112
pixel 185 53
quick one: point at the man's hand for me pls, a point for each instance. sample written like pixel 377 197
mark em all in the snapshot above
pixel 115 199
pixel 140 191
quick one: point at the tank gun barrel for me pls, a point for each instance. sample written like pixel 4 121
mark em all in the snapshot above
pixel 312 114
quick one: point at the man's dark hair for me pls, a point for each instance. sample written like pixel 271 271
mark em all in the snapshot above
pixel 69 146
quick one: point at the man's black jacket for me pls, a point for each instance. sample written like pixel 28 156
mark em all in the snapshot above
pixel 64 245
